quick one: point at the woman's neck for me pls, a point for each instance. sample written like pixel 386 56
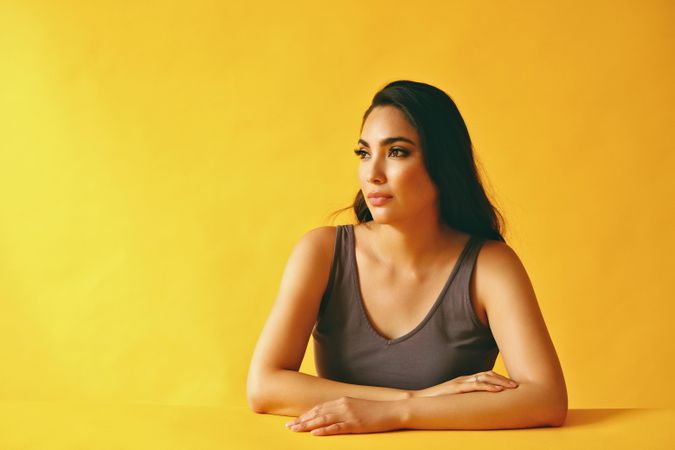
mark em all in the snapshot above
pixel 410 245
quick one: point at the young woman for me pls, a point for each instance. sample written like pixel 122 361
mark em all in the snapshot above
pixel 410 306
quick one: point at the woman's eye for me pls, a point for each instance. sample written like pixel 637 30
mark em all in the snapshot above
pixel 398 151
pixel 360 153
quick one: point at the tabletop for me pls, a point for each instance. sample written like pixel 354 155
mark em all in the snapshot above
pixel 94 426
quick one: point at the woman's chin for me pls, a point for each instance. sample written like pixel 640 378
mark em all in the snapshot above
pixel 381 218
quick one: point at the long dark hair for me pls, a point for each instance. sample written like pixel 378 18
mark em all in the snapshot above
pixel 448 157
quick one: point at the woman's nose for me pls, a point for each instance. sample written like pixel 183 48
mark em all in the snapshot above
pixel 376 172
pixel 376 177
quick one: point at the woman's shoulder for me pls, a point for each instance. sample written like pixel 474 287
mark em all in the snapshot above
pixel 323 233
pixel 495 253
pixel 496 257
pixel 320 239
pixel 498 267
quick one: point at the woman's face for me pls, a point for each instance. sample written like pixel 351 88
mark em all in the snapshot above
pixel 392 164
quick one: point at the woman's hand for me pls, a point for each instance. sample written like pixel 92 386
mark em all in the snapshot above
pixel 348 415
pixel 487 381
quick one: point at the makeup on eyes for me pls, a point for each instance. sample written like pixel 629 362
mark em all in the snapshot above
pixel 401 152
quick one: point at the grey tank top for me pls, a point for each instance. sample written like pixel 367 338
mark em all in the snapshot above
pixel 449 342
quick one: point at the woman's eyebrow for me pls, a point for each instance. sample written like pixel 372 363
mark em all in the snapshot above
pixel 389 140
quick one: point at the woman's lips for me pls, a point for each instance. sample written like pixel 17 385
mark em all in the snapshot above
pixel 379 201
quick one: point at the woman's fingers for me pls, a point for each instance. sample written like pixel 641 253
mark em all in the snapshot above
pixel 485 386
pixel 333 428
pixel 491 380
pixel 472 386
pixel 504 381
pixel 323 420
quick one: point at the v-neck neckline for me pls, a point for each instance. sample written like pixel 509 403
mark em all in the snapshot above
pixel 430 313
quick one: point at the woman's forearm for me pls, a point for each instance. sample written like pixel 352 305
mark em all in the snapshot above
pixel 291 393
pixel 530 405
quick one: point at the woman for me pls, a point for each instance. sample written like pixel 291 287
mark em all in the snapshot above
pixel 410 306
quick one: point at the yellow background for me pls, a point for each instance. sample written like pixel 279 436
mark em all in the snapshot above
pixel 159 160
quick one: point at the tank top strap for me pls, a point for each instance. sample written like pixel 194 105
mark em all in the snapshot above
pixel 339 264
pixel 465 270
pixel 461 286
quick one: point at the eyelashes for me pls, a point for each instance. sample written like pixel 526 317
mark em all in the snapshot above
pixel 402 152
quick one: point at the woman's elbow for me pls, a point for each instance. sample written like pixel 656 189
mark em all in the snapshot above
pixel 253 396
pixel 557 412
pixel 255 403
pixel 557 417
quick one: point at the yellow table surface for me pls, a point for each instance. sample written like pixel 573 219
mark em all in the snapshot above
pixel 32 425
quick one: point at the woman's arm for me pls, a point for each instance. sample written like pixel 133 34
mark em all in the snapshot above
pixel 502 284
pixel 274 384
pixel 291 393
pixel 530 405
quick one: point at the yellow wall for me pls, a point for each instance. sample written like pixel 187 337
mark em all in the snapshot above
pixel 158 161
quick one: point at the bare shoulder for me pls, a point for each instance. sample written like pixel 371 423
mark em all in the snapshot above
pixel 494 253
pixel 320 241
pixel 311 258
pixel 321 235
pixel 498 268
